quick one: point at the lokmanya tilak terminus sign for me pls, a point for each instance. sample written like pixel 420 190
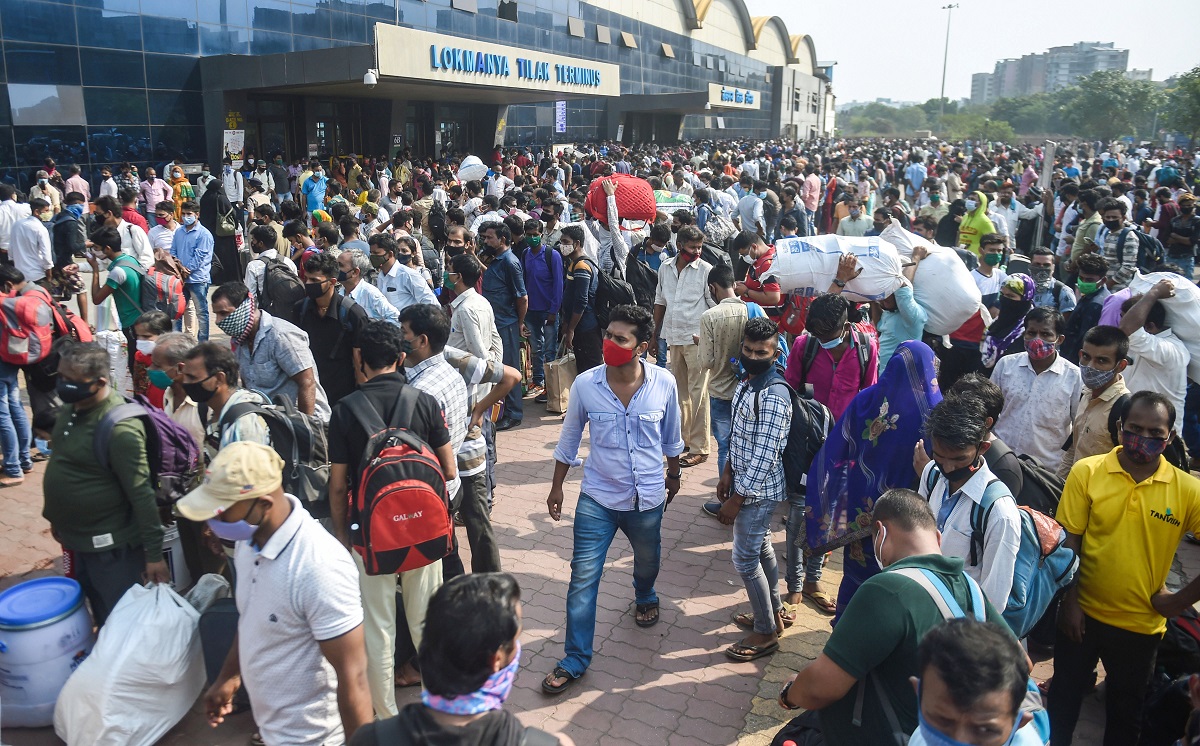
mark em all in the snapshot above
pixel 423 55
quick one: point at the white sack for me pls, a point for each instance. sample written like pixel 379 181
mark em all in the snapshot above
pixel 471 169
pixel 807 265
pixel 943 285
pixel 1183 311
pixel 142 677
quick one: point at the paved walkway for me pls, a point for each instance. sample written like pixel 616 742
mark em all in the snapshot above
pixel 666 685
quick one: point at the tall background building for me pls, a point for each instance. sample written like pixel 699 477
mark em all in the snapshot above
pixel 1052 70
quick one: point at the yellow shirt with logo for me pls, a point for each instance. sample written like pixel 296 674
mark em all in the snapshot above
pixel 1130 534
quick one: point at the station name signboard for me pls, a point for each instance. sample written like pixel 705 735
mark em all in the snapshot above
pixel 726 97
pixel 423 55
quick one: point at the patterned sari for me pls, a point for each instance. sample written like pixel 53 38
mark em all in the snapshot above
pixel 868 452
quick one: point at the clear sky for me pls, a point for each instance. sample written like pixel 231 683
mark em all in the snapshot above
pixel 1156 33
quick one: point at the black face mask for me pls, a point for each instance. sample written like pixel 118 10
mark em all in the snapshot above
pixel 73 392
pixel 314 290
pixel 964 473
pixel 196 391
pixel 753 366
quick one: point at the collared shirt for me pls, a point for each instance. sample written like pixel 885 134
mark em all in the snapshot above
pixel 624 468
pixel 1038 408
pixel 1089 434
pixel 473 326
pixel 108 188
pixel 374 303
pixel 162 237
pixel 1001 535
pixel 835 382
pixel 30 248
pixel 854 227
pixel 186 413
pixel 750 213
pixel 10 212
pixel 1044 297
pixel 249 427
pixel 154 191
pixel 1085 235
pixel 810 192
pixel 479 375
pixel 280 350
pixel 256 270
pixel 308 594
pixel 721 330
pixel 1130 534
pixel 78 184
pixel 543 276
pixel 503 284
pixel 436 377
pixel 905 323
pixel 1128 250
pixel 1160 363
pixel 684 293
pixel 194 249
pixel 404 286
pixel 761 421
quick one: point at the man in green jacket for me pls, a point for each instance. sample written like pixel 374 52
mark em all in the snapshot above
pixel 106 516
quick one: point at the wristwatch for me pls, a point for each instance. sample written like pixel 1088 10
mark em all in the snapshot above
pixel 783 700
pixel 676 475
pixel 839 283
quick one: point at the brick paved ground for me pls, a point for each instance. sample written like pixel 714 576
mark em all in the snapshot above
pixel 665 685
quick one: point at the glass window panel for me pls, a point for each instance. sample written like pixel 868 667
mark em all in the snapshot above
pixel 170 142
pixel 176 108
pixel 381 11
pixel 172 72
pixel 129 6
pixel 115 106
pixel 271 15
pixel 170 35
pixel 165 8
pixel 507 9
pixel 306 43
pixel 310 22
pixel 8 156
pixel 223 40
pixel 348 27
pixel 110 144
pixel 5 112
pixel 35 21
pixel 269 42
pixel 65 144
pixel 470 6
pixel 105 67
pixel 46 104
pixel 35 63
pixel 108 30
pixel 224 12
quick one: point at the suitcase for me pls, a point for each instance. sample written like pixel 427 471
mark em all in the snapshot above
pixel 218 628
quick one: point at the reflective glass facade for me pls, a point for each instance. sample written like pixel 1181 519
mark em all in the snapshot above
pixel 101 81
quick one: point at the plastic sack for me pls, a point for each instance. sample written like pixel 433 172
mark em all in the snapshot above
pixel 635 198
pixel 118 360
pixel 1183 312
pixel 144 674
pixel 208 589
pixel 942 285
pixel 807 265
pixel 471 169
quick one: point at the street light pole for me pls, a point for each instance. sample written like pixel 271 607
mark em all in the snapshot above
pixel 945 57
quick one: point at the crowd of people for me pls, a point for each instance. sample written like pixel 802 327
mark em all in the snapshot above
pixel 386 308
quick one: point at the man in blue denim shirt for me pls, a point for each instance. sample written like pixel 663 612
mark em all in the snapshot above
pixel 504 288
pixel 632 412
pixel 193 247
pixel 753 484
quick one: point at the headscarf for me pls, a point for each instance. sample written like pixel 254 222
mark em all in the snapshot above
pixel 1010 324
pixel 868 452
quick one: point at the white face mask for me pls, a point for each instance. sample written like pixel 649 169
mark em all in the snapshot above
pixel 879 548
pixel 145 346
pixel 747 259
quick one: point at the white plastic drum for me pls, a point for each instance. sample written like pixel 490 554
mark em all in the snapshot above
pixel 45 633
pixel 181 577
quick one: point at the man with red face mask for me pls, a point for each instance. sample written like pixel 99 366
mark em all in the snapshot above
pixel 633 417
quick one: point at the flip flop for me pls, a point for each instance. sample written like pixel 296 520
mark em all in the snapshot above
pixel 558 673
pixel 745 620
pixel 753 652
pixel 644 609
pixel 823 602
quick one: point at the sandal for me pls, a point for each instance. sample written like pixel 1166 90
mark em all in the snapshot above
pixel 646 609
pixel 558 673
pixel 822 601
pixel 740 652
pixel 693 459
pixel 745 620
pixel 256 739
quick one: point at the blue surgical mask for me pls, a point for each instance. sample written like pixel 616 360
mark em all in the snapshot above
pixel 235 531
pixel 971 204
pixel 834 342
pixel 189 220
pixel 934 737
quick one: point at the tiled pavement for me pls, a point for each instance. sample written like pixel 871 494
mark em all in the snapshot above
pixel 666 685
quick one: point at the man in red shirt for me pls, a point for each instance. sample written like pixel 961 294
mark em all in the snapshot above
pixel 129 211
pixel 760 286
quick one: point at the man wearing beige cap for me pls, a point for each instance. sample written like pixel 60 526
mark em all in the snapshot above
pixel 299 647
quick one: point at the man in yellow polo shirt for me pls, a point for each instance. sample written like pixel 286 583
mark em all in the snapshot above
pixel 1125 513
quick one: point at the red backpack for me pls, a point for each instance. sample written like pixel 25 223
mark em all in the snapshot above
pixel 400 511
pixel 27 325
pixel 157 290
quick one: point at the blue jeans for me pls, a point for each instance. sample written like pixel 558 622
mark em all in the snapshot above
pixel 14 425
pixel 1186 263
pixel 595 527
pixel 543 338
pixel 199 292
pixel 661 360
pixel 754 560
pixel 720 413
pixel 510 336
pixel 1191 418
pixel 795 554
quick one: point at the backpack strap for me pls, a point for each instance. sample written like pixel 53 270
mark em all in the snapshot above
pixel 1057 292
pixel 811 348
pixel 981 514
pixel 1121 243
pixel 941 596
pixel 532 736
pixel 103 437
pixel 862 346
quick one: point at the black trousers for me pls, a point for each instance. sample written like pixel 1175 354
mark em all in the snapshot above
pixel 956 362
pixel 475 513
pixel 587 346
pixel 1128 659
pixel 106 575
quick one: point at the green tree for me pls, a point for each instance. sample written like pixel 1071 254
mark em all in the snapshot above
pixel 1107 105
pixel 1183 104
pixel 933 106
pixel 975 126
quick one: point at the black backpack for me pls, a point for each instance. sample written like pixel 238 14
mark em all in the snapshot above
pixel 810 425
pixel 300 441
pixel 715 255
pixel 610 292
pixel 437 223
pixel 281 290
pixel 1150 251
pixel 642 279
pixel 1041 489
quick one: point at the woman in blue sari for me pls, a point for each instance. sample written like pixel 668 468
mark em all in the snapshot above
pixel 868 452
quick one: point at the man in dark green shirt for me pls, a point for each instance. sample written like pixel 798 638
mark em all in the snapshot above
pixel 106 517
pixel 881 629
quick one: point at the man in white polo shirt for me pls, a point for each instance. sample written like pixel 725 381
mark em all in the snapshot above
pixel 299 646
